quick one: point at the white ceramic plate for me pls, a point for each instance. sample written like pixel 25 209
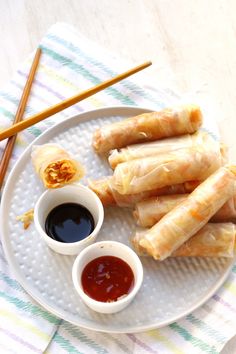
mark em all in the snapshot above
pixel 171 289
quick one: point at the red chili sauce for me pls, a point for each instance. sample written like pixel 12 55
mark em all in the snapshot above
pixel 107 278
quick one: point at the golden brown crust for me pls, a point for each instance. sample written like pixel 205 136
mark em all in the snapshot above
pixel 108 196
pixel 189 216
pixel 213 240
pixel 148 212
pixel 187 164
pixel 148 127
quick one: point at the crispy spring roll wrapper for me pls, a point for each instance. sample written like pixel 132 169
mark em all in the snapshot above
pixel 108 196
pixel 148 127
pixel 213 240
pixel 227 212
pixel 148 212
pixel 55 166
pixel 102 187
pixel 195 163
pixel 191 215
pixel 154 148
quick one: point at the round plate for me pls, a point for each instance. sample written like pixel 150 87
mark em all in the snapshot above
pixel 171 289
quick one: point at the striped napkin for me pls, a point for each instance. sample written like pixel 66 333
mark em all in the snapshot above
pixel 69 64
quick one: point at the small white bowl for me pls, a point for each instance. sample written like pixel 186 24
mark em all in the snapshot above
pixel 107 248
pixel 74 193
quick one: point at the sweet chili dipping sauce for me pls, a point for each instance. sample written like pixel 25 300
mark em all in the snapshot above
pixel 107 278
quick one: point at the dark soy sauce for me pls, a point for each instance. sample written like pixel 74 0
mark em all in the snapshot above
pixel 69 222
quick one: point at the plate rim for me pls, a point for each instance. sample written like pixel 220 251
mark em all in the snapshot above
pixel 16 270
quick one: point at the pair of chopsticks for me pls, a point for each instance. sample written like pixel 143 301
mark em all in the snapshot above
pixel 18 117
pixel 19 124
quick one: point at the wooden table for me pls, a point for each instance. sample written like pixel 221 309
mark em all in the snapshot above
pixel 191 44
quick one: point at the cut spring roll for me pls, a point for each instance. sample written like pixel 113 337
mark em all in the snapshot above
pixel 55 166
pixel 154 148
pixel 148 127
pixel 109 196
pixel 148 212
pixel 196 163
pixel 191 215
pixel 213 240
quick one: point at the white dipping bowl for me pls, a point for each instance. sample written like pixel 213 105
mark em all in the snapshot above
pixel 107 248
pixel 74 193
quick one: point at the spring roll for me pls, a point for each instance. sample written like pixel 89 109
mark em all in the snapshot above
pixel 148 212
pixel 191 215
pixel 227 212
pixel 154 148
pixel 109 196
pixel 196 163
pixel 148 127
pixel 55 166
pixel 102 187
pixel 213 240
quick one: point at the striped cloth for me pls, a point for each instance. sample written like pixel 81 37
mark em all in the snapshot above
pixel 69 64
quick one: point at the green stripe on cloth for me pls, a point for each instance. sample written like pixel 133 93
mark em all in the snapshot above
pixel 205 328
pixel 65 344
pixel 8 97
pixel 29 307
pixel 118 342
pixel 234 269
pixel 77 333
pixel 29 109
pixel 7 113
pixel 126 83
pixel 84 72
pixel 195 342
pixel 33 130
pixel 11 282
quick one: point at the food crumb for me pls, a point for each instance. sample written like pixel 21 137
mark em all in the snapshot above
pixel 26 218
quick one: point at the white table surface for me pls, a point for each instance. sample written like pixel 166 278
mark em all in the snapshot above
pixel 192 45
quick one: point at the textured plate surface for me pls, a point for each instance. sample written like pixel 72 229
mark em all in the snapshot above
pixel 171 289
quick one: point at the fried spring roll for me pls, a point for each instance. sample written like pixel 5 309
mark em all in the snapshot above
pixel 154 148
pixel 148 212
pixel 109 196
pixel 55 166
pixel 191 215
pixel 102 187
pixel 196 163
pixel 213 240
pixel 148 127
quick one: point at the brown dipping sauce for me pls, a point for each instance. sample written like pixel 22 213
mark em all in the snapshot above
pixel 107 278
pixel 69 222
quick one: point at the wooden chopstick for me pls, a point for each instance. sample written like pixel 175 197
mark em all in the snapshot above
pixel 16 128
pixel 18 117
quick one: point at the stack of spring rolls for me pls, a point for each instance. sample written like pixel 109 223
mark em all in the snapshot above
pixel 176 179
